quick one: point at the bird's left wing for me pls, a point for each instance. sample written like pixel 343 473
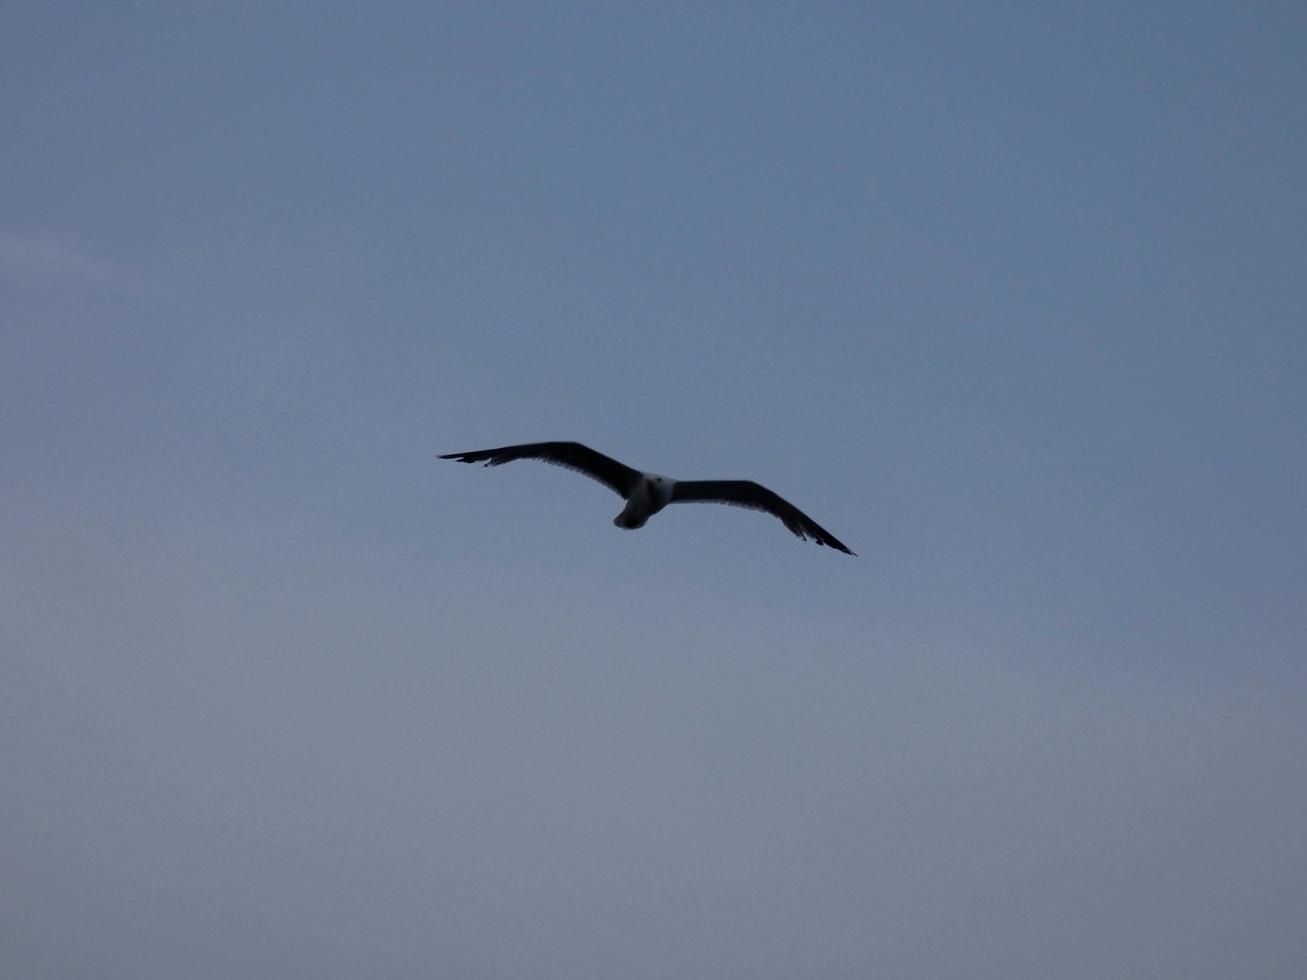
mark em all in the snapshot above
pixel 746 493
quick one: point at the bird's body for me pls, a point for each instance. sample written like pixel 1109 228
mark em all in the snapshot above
pixel 651 494
pixel 648 493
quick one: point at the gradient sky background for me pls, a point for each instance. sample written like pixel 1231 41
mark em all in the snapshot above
pixel 1010 297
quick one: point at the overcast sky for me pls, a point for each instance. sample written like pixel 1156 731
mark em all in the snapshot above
pixel 1010 297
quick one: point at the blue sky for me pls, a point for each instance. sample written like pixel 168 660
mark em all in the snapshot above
pixel 1010 299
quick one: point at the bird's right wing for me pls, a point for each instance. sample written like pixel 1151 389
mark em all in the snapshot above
pixel 618 477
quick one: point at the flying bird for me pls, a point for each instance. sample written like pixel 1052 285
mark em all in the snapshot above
pixel 648 493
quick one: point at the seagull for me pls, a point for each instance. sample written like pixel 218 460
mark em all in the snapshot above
pixel 648 493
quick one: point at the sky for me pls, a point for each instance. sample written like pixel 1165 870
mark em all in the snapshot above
pixel 1009 297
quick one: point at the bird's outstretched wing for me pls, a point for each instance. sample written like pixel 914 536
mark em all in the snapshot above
pixel 746 493
pixel 618 477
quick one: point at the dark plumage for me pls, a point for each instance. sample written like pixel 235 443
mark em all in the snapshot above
pixel 648 493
